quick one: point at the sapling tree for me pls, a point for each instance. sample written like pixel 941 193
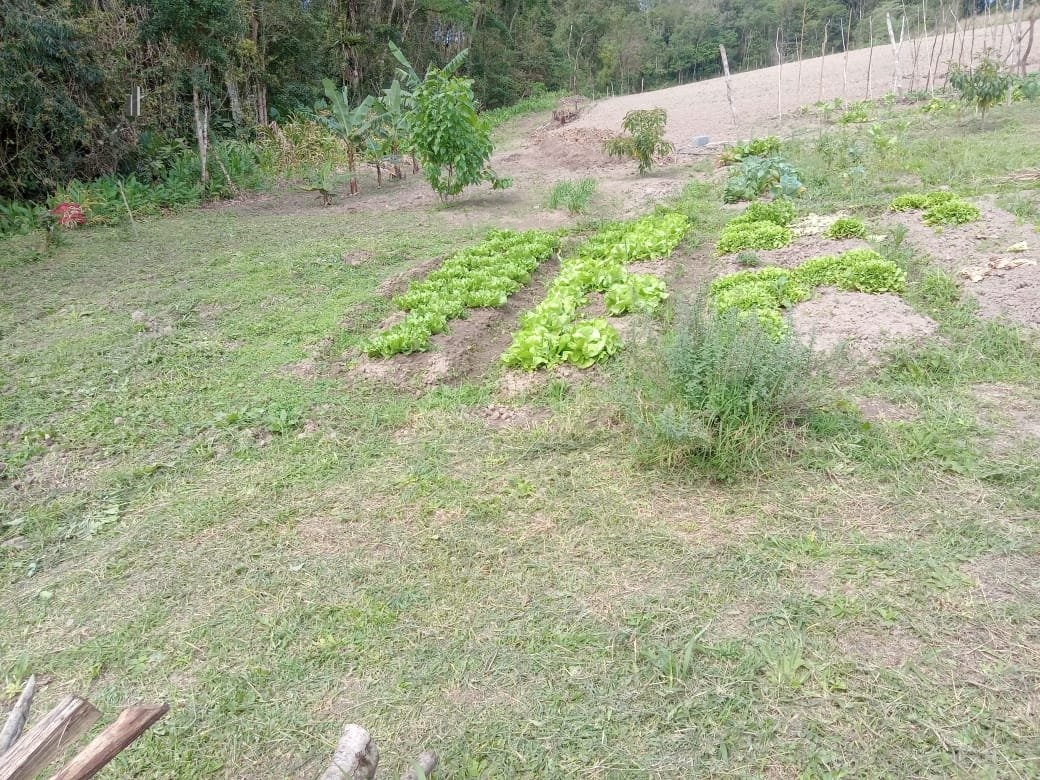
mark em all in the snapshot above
pixel 645 139
pixel 452 141
pixel 984 86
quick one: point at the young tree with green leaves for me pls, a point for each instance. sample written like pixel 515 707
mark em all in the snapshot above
pixel 452 141
pixel 351 124
pixel 645 139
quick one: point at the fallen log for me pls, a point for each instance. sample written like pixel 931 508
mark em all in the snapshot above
pixel 58 729
pixel 131 723
pixel 356 756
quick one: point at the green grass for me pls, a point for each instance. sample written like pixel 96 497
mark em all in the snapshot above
pixel 188 513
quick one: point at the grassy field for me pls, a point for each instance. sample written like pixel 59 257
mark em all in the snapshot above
pixel 201 503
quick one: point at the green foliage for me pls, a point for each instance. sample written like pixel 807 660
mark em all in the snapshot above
pixel 478 277
pixel 645 140
pixel 847 227
pixel 856 113
pixel 761 294
pixel 780 212
pixel 540 100
pixel 451 139
pixel 757 176
pixel 985 85
pixel 747 259
pixel 950 212
pixel 722 395
pixel 738 235
pixel 940 207
pixel 547 334
pixel 20 218
pixel 911 201
pixel 572 195
pixel 756 147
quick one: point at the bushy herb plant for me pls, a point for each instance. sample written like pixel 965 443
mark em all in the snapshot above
pixel 572 195
pixel 757 176
pixel 756 147
pixel 722 394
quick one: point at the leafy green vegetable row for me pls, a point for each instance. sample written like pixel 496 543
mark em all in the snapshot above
pixel 481 276
pixel 940 207
pixel 764 292
pixel 760 226
pixel 550 334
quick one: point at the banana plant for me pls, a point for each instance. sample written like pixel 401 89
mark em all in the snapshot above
pixel 393 133
pixel 351 124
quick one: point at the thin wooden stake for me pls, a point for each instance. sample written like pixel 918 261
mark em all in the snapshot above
pixel 58 729
pixel 729 85
pixel 18 717
pixel 870 55
pixel 823 58
pixel 131 723
pixel 779 78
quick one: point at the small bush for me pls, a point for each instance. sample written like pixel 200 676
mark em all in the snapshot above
pixel 847 227
pixel 722 395
pixel 753 235
pixel 747 259
pixel 572 195
pixel 985 85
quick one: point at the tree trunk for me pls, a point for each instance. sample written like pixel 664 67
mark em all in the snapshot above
pixel 201 131
pixel 234 99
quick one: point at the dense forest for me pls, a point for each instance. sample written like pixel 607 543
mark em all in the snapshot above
pixel 68 68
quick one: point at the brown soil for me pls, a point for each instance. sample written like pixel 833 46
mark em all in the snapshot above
pixel 866 324
pixel 701 108
pixel 1005 283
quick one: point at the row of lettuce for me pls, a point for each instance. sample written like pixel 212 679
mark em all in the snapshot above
pixel 558 330
pixel 554 332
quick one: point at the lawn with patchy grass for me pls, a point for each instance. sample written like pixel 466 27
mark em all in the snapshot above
pixel 202 502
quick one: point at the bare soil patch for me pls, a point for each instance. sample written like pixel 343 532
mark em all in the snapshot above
pixel 891 650
pixel 1004 281
pixel 866 324
pixel 701 108
pixel 1005 578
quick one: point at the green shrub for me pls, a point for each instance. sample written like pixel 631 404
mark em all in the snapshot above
pixel 722 394
pixel 847 227
pixel 747 259
pixel 645 139
pixel 985 85
pixel 573 195
pixel 752 235
pixel 760 175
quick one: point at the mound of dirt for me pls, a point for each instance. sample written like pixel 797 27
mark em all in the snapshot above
pixel 997 260
pixel 865 323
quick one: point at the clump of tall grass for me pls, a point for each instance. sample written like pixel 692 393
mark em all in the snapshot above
pixel 572 195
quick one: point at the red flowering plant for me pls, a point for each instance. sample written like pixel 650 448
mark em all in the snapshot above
pixel 69 215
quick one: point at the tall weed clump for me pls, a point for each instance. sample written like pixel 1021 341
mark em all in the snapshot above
pixel 722 394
